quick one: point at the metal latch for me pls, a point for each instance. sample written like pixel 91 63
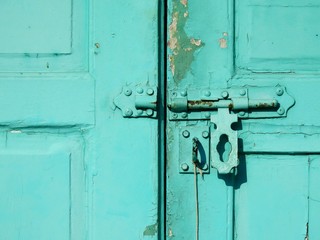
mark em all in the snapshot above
pixel 137 101
pixel 222 107
pixel 249 102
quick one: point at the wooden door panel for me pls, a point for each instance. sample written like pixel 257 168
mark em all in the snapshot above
pixel 43 186
pixel 248 44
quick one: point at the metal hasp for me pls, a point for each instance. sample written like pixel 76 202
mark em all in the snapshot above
pixel 247 102
pixel 137 101
pixel 194 149
pixel 222 126
pixel 223 107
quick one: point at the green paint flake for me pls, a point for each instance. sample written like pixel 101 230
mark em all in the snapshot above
pixel 182 46
pixel 151 230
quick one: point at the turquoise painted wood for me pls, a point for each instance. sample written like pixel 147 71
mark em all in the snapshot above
pixel 226 44
pixel 70 166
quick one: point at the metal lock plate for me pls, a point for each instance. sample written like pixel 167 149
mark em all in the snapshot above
pixel 137 101
pixel 186 135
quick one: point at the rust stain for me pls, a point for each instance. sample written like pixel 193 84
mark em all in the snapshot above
pixel 200 103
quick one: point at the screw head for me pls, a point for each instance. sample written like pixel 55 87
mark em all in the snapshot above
pixel 207 93
pixel 224 94
pixel 150 91
pixel 139 90
pixel 173 94
pixel 183 93
pixel 280 111
pixel 279 91
pixel 174 115
pixel 184 115
pixel 205 167
pixel 127 91
pixel 184 166
pixel 242 113
pixel 242 92
pixel 207 115
pixel 186 133
pixel 128 112
pixel 139 112
pixel 205 134
pixel 149 112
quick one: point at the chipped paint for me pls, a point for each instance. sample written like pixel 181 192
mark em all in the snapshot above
pixel 182 46
pixel 151 230
pixel 223 43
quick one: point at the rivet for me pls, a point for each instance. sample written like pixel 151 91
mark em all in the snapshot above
pixel 127 92
pixel 224 94
pixel 173 94
pixel 186 133
pixel 205 134
pixel 279 91
pixel 281 111
pixel 139 112
pixel 242 92
pixel 175 115
pixel 150 91
pixel 149 112
pixel 184 167
pixel 128 112
pixel 139 90
pixel 207 93
pixel 207 115
pixel 183 93
pixel 205 167
pixel 242 113
pixel 184 115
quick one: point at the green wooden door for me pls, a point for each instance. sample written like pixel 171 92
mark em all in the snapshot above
pixel 70 166
pixel 249 44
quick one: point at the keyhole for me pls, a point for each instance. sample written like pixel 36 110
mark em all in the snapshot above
pixel 224 148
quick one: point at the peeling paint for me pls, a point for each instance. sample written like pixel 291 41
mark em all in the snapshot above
pixel 151 230
pixel 223 43
pixel 182 46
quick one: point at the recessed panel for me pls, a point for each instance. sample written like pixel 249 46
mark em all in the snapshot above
pixel 44 36
pixel 278 35
pixel 35 202
pixel 35 26
pixel 271 201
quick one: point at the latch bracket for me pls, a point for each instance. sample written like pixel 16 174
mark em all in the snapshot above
pixel 137 101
